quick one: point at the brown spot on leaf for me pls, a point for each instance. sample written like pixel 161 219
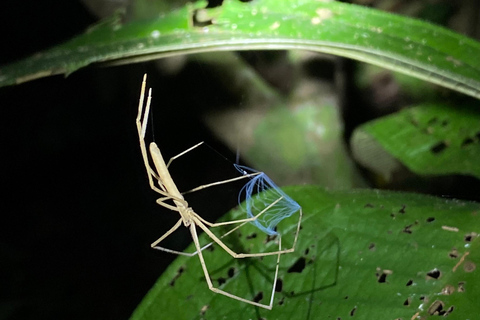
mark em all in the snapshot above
pixel 469 266
pixel 204 309
pixel 448 290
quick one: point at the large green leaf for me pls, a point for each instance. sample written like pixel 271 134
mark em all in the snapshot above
pixel 367 253
pixel 429 139
pixel 410 46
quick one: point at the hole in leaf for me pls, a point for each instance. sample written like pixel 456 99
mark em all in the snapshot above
pixel 372 247
pixel 430 219
pixel 469 236
pixel 221 281
pixel 422 298
pixel 434 274
pixel 279 285
pixel 270 238
pixel 407 301
pixel 231 272
pixel 281 301
pixel 201 18
pixel 352 312
pixel 461 286
pixel 453 253
pixel 407 229
pixel 448 311
pixel 466 142
pixel 436 307
pixel 402 210
pixel 439 147
pixel 179 273
pixel 251 236
pixel 298 266
pixel 382 275
pixel 258 297
pixel 214 3
pixel 382 278
pixel 409 282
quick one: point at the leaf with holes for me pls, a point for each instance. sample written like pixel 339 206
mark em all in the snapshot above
pixel 410 46
pixel 365 253
pixel 429 139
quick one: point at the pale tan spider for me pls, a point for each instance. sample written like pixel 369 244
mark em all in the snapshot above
pixel 189 218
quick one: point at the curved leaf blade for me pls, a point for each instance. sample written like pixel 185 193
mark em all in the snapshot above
pixel 414 47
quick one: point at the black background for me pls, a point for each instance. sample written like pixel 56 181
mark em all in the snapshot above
pixel 77 215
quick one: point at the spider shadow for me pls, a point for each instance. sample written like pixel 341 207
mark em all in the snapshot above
pixel 317 267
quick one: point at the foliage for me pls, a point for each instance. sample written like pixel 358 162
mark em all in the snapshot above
pixel 369 254
pixel 372 254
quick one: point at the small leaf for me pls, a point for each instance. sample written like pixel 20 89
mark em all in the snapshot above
pixel 429 139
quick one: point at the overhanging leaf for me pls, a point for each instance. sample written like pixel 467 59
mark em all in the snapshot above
pixel 429 139
pixel 407 45
pixel 371 254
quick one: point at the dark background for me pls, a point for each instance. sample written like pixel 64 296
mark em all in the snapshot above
pixel 77 215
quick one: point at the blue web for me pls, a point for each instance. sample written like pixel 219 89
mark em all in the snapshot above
pixel 260 192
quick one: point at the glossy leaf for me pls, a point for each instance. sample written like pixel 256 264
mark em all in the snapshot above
pixel 403 44
pixel 365 253
pixel 429 139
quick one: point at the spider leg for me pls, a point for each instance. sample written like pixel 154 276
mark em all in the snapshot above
pixel 193 231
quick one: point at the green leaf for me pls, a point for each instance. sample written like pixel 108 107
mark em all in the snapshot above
pixel 429 139
pixel 403 44
pixel 367 253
